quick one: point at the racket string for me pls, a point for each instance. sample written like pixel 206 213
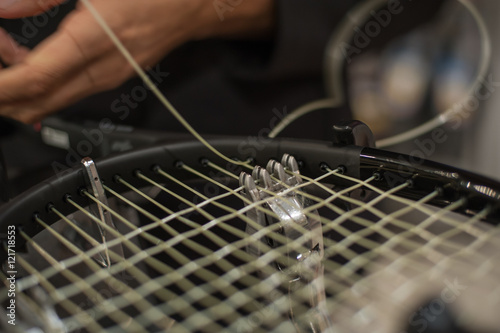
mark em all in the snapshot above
pixel 181 278
pixel 227 293
pixel 84 318
pixel 127 297
pixel 90 291
pixel 109 210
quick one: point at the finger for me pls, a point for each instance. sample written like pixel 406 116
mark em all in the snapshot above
pixel 113 71
pixel 35 110
pixel 10 51
pixel 77 42
pixel 53 62
pixel 23 8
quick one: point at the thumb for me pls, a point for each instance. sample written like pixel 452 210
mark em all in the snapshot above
pixel 20 8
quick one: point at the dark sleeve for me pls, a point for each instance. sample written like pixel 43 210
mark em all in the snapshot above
pixel 304 27
pixel 303 30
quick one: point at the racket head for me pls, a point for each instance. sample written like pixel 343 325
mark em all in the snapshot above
pixel 383 239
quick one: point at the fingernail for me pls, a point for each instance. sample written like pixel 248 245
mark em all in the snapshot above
pixel 5 4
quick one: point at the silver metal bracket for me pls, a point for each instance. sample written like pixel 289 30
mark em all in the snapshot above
pixel 97 190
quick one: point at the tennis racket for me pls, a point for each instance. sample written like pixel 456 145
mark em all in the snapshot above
pixel 299 236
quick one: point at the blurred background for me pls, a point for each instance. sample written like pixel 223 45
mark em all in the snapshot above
pixel 423 73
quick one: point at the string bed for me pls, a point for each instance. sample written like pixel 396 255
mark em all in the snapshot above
pixel 183 259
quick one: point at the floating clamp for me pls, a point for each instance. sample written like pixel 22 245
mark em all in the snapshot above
pixel 102 213
pixel 280 191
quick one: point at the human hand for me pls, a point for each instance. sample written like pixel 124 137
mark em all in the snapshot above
pixel 80 60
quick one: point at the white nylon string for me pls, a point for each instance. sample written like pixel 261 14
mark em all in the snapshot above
pixel 214 291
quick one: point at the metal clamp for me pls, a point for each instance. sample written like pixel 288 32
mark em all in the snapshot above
pixel 99 211
pixel 279 191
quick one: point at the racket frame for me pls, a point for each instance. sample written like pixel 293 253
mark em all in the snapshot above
pixel 314 157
